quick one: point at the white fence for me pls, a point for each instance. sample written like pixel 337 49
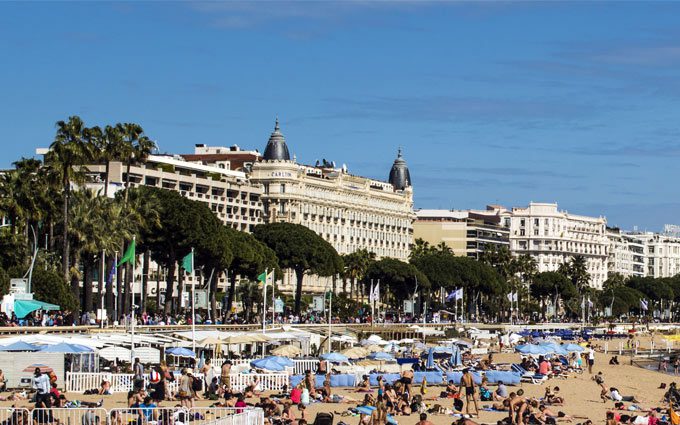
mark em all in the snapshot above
pixel 78 382
pixel 99 416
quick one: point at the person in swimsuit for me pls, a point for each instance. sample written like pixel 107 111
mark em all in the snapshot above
pixel 468 383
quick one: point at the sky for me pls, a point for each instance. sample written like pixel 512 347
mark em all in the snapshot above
pixel 492 102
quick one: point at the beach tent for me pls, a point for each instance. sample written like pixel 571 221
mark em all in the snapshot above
pixel 24 307
pixel 19 346
pixel 180 352
pixel 64 347
pixel 334 357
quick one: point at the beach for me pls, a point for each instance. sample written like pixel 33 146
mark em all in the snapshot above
pixel 580 391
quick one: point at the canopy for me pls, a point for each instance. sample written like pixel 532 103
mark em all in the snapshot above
pixel 287 351
pixel 19 346
pixel 114 353
pixel 24 307
pixel 180 352
pixel 355 352
pixel 64 347
pixel 334 357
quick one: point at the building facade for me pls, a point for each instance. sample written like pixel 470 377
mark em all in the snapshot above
pixel 348 211
pixel 553 237
pixel 466 232
pixel 627 254
pixel 663 253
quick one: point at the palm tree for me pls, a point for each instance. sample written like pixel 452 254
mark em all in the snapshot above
pixel 111 148
pixel 136 147
pixel 249 293
pixel 356 265
pixel 67 154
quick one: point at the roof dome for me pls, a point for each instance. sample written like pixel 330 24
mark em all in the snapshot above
pixel 400 178
pixel 276 149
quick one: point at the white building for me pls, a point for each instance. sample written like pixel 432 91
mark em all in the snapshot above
pixel 627 254
pixel 553 237
pixel 663 253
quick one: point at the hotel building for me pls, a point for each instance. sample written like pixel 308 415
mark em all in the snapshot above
pixel 627 254
pixel 553 237
pixel 466 232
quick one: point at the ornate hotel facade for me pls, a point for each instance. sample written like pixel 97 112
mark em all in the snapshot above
pixel 553 237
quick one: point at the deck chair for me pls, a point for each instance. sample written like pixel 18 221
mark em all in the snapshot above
pixel 526 376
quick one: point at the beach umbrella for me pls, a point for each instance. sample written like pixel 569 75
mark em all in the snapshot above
pixel 211 340
pixel 43 368
pixel 355 352
pixel 573 347
pixel 334 357
pixel 531 349
pixel 373 348
pixel 19 346
pixel 380 355
pixel 180 352
pixel 64 347
pixel 285 361
pixel 552 347
pixel 287 350
pixel 430 359
pixel 245 339
pixel 268 363
pixel 392 348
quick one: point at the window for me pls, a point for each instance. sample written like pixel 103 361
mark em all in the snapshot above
pixel 521 222
pixel 283 188
pixel 536 222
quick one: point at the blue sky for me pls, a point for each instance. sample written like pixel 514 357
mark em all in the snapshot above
pixel 575 103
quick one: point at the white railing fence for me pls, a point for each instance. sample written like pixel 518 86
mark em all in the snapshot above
pixel 15 416
pixel 161 415
pixel 301 365
pixel 79 382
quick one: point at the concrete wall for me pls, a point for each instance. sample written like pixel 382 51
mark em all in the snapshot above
pixel 13 364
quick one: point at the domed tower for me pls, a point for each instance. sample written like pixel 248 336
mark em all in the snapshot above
pixel 400 178
pixel 276 149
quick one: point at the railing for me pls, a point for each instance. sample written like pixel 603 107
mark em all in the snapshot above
pixel 79 382
pixel 161 415
pixel 15 416
pixel 262 381
pixel 301 365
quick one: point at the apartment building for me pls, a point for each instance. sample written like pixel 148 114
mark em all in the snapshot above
pixel 466 232
pixel 627 254
pixel 553 237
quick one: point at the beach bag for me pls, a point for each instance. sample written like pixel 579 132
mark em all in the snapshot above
pixel 458 404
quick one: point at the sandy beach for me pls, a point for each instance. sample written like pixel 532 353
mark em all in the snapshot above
pixel 579 390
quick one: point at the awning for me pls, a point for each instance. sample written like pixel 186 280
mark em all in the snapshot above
pixel 24 307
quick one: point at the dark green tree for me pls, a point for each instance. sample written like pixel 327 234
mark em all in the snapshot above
pixel 300 249
pixel 552 285
pixel 397 278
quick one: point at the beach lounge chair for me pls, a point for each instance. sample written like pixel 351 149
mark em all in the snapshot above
pixel 526 376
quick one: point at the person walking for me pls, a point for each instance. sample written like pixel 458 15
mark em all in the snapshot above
pixel 41 383
pixel 468 382
pixel 138 370
pixel 591 358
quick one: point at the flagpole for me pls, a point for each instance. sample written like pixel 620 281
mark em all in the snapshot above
pixel 101 295
pixel 115 293
pixel 193 303
pixel 132 306
pixel 370 298
pixel 264 307
pixel 273 300
pixel 455 305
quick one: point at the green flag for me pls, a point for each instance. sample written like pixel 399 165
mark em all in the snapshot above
pixel 188 262
pixel 262 278
pixel 129 256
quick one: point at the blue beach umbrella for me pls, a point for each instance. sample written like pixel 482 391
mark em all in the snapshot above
pixel 284 361
pixel 19 346
pixel 380 355
pixel 180 352
pixel 334 357
pixel 64 347
pixel 531 349
pixel 268 363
